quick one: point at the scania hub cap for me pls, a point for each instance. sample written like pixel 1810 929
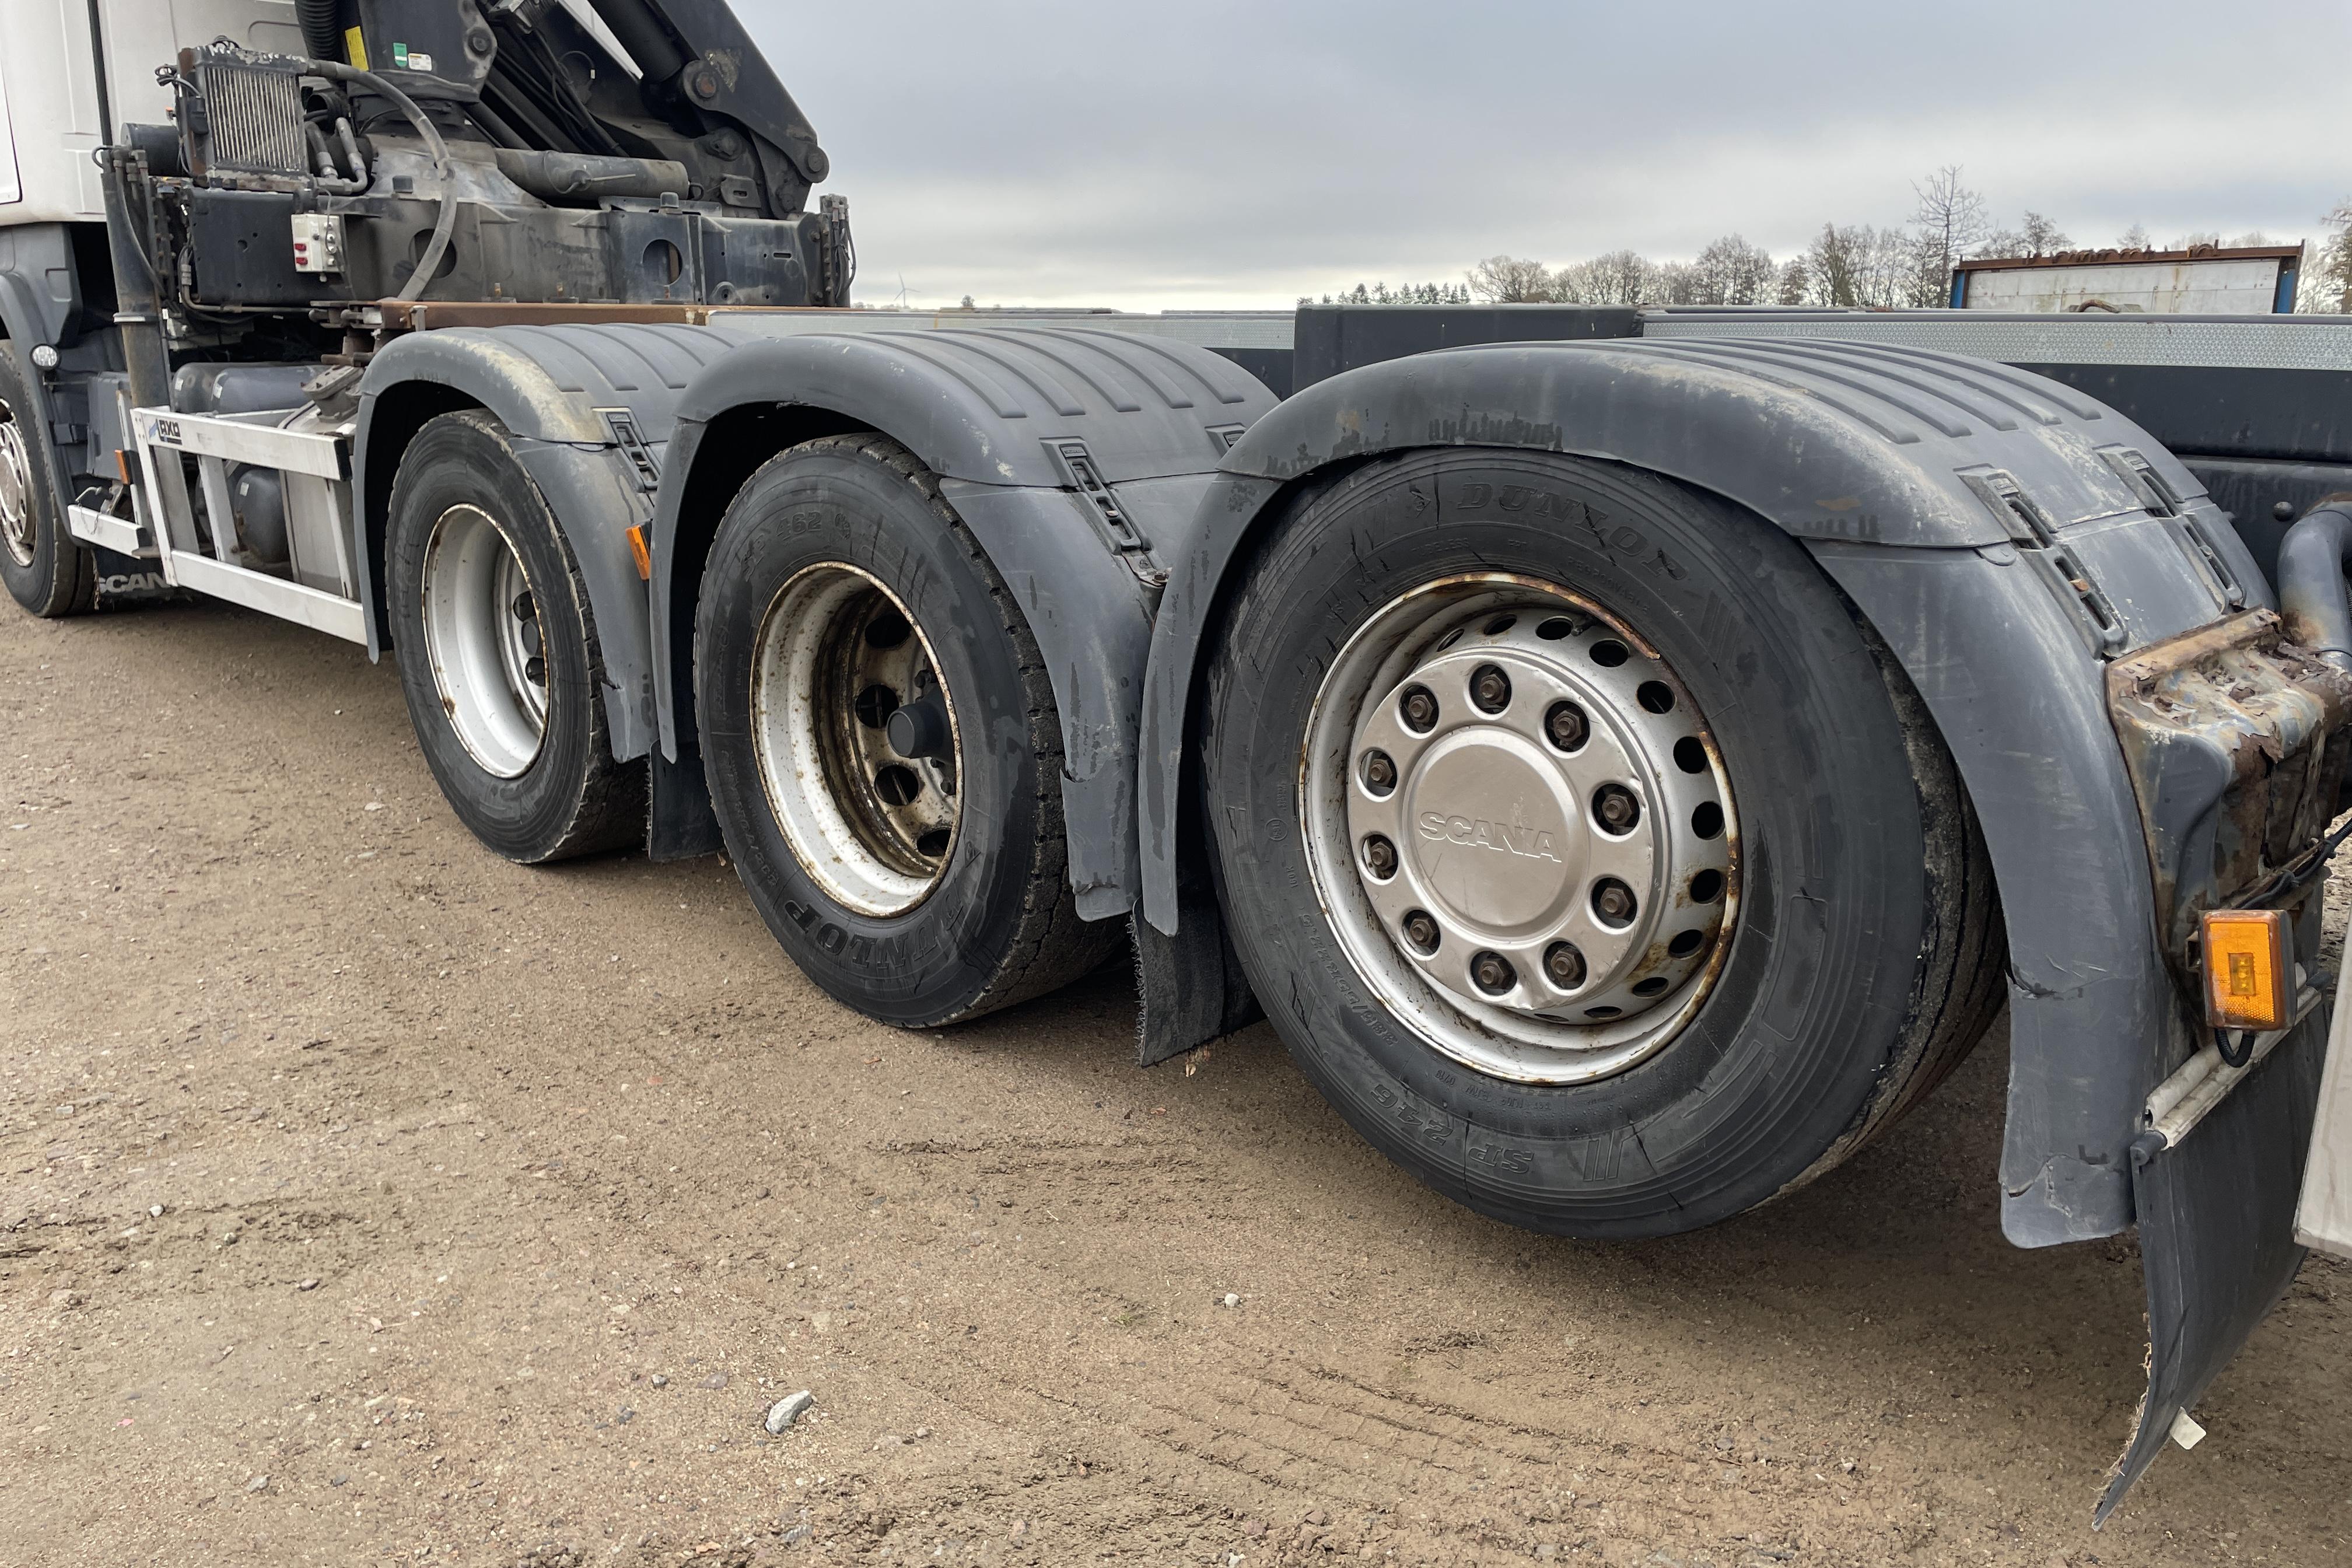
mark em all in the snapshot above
pixel 1522 829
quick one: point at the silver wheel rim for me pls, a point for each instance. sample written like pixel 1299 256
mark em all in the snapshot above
pixel 482 637
pixel 835 658
pixel 15 490
pixel 1500 840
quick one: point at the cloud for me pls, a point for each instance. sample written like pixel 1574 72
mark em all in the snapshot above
pixel 1236 155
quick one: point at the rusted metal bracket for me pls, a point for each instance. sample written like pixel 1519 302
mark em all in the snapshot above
pixel 2236 746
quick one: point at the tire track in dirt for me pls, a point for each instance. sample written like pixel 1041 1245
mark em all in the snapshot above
pixel 544 1136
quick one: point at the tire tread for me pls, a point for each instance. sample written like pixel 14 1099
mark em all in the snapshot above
pixel 1051 945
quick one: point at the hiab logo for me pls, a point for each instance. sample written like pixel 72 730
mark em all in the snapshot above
pixel 1529 843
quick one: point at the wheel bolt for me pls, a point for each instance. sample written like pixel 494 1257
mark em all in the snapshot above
pixel 1421 930
pixel 1617 808
pixel 1492 973
pixel 1490 689
pixel 1612 900
pixel 1419 708
pixel 1380 857
pixel 1565 726
pixel 1564 965
pixel 1379 772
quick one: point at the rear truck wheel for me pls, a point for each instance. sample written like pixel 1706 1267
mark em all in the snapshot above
pixel 1593 858
pixel 498 651
pixel 881 742
pixel 48 571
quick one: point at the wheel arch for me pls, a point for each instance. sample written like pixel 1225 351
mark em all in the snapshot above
pixel 1888 465
pixel 988 412
pixel 583 405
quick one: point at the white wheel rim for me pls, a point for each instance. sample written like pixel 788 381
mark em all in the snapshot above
pixel 482 637
pixel 15 490
pixel 1518 856
pixel 873 829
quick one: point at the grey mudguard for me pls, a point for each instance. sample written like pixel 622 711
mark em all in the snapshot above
pixel 40 286
pixel 557 389
pixel 1888 463
pixel 984 410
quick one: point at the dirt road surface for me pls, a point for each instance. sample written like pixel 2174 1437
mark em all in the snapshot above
pixel 365 1198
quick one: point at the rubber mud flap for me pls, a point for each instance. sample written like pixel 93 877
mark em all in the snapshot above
pixel 2217 1236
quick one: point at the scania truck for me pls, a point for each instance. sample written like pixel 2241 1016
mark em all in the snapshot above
pixel 1629 757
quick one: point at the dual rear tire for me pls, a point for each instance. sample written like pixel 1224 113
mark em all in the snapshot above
pixel 499 657
pixel 876 724
pixel 881 742
pixel 1589 853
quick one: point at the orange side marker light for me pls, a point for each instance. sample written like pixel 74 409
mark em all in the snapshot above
pixel 2248 969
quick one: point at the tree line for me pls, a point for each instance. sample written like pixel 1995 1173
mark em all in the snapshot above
pixel 1846 265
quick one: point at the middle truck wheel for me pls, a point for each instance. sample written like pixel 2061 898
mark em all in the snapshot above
pixel 881 742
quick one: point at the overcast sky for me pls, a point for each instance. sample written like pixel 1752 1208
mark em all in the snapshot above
pixel 1209 155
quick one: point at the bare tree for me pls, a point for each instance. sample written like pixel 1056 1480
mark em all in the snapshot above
pixel 1580 283
pixel 2043 237
pixel 1731 271
pixel 1951 218
pixel 1796 283
pixel 1927 279
pixel 2133 238
pixel 1507 281
pixel 1672 283
pixel 1625 278
pixel 1835 263
pixel 1620 277
pixel 2002 243
pixel 1890 267
pixel 2326 286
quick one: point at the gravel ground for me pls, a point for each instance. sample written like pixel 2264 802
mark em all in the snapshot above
pixel 364 1197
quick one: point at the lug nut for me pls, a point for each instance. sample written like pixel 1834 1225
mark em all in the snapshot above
pixel 1490 689
pixel 1419 710
pixel 1565 726
pixel 1492 973
pixel 1379 772
pixel 1564 966
pixel 1380 857
pixel 1617 808
pixel 1421 930
pixel 1614 902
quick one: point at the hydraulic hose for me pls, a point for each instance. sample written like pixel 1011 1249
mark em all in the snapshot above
pixel 438 246
pixel 322 27
pixel 330 178
pixel 2312 559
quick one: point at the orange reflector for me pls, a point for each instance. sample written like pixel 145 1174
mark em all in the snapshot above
pixel 122 466
pixel 638 548
pixel 2249 968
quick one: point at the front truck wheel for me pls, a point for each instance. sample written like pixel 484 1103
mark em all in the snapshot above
pixel 881 742
pixel 1593 858
pixel 498 649
pixel 48 571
